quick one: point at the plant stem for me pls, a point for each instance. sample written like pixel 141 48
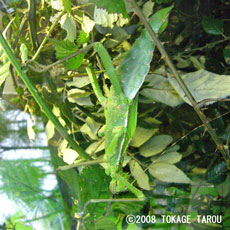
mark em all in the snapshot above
pixel 40 102
pixel 47 36
pixel 67 167
pixel 111 200
pixel 175 73
pixel 32 22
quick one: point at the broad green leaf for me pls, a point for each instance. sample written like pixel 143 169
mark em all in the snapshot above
pixel 4 66
pixel 168 173
pixel 50 130
pixel 30 130
pixel 213 26
pixel 224 188
pixel 68 24
pixel 203 85
pixel 24 52
pixel 171 158
pixel 139 174
pixel 141 135
pixel 115 6
pixel 160 90
pixel 69 155
pixel 135 66
pixel 155 145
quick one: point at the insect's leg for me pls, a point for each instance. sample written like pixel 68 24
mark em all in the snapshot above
pixel 106 59
pixel 95 85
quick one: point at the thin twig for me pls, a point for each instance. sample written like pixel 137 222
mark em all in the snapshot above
pixel 67 167
pixel 206 46
pixel 175 73
pixel 205 101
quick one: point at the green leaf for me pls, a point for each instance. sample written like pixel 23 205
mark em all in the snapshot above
pixel 159 20
pixel 74 62
pixel 160 90
pixel 141 135
pixel 171 158
pixel 168 173
pixel 83 38
pixel 66 48
pixel 155 145
pixel 139 174
pixel 224 188
pixel 115 6
pixel 135 66
pixel 148 8
pixel 203 85
pixel 63 48
pixel 68 5
pixel 68 23
pixel 213 26
pixel 106 223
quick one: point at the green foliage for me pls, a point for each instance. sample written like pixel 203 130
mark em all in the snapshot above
pixel 15 223
pixel 65 48
pixel 213 26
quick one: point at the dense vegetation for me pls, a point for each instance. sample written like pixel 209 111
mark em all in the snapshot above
pixel 137 122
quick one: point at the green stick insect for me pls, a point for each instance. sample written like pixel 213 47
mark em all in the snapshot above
pixel 121 105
